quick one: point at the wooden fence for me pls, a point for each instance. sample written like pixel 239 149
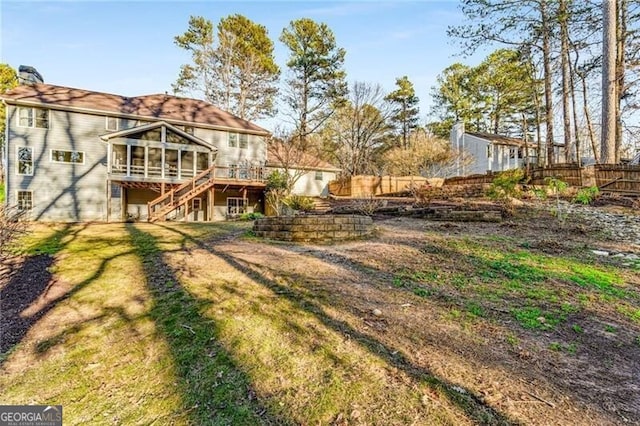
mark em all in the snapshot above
pixel 367 186
pixel 470 180
pixel 617 178
pixel 570 173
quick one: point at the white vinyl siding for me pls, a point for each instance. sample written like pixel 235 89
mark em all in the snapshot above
pixel 25 161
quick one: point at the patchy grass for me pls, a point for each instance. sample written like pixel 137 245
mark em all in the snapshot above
pixel 207 324
pixel 2 193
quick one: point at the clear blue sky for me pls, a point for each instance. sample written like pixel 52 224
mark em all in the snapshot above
pixel 126 47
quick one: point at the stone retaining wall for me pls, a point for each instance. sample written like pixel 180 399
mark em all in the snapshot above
pixel 313 228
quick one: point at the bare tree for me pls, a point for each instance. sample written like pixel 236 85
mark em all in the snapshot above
pixel 358 129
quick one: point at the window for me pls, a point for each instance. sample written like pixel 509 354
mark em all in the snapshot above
pixel 233 140
pixel 60 156
pixel 33 117
pixel 244 141
pixel 111 123
pixel 318 175
pixel 489 151
pixel 233 171
pixel 512 153
pixel 189 129
pixel 25 200
pixel 236 206
pixel 196 204
pixel 25 160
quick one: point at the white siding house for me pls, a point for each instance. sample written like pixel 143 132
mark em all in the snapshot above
pixel 485 152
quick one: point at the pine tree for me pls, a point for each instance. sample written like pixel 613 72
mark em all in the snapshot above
pixel 405 109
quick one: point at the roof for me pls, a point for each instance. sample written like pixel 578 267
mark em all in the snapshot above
pixel 155 125
pixel 158 106
pixel 499 139
pixel 277 152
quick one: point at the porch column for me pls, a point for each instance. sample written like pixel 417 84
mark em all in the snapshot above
pixel 128 160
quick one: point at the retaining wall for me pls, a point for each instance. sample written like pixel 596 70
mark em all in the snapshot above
pixel 313 228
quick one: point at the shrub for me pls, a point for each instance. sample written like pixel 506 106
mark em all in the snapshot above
pixel 367 206
pixel 11 225
pixel 299 203
pixel 276 190
pixel 505 185
pixel 251 216
pixel 586 195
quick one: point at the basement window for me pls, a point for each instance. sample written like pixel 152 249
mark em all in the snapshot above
pixel 24 200
pixel 236 206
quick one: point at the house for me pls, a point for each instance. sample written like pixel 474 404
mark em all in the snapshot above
pixel 488 152
pixel 310 173
pixel 80 155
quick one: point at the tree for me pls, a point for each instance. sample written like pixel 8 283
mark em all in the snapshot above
pixel 525 25
pixel 8 80
pixel 405 112
pixel 358 129
pixel 316 76
pixel 293 157
pixel 609 89
pixel 453 100
pixel 237 72
pixel 497 96
pixel 425 155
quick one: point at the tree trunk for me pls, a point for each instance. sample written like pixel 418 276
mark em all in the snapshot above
pixel 609 87
pixel 548 94
pixel 564 61
pixel 621 36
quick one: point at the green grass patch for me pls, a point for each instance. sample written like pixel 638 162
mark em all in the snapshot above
pixel 535 318
pixel 2 193
pixel 606 282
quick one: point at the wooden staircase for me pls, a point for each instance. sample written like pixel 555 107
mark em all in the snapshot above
pixel 180 196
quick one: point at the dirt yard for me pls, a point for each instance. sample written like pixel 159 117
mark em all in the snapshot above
pixel 534 320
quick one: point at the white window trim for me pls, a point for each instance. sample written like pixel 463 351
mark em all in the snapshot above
pixel 244 201
pixel 18 191
pixel 65 162
pixel 229 140
pixel 106 123
pixel 318 173
pixel 33 117
pixel 33 163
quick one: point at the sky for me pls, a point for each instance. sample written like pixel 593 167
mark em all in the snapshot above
pixel 127 48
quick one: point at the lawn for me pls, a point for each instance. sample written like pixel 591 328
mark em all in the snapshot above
pixel 426 323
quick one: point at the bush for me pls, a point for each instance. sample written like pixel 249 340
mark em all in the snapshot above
pixel 586 195
pixel 505 185
pixel 299 203
pixel 367 206
pixel 251 216
pixel 11 225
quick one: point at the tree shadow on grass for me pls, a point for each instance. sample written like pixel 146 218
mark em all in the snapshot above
pixel 214 389
pixel 32 281
pixel 470 403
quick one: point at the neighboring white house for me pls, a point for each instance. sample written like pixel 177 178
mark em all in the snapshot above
pixel 488 152
pixel 311 173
